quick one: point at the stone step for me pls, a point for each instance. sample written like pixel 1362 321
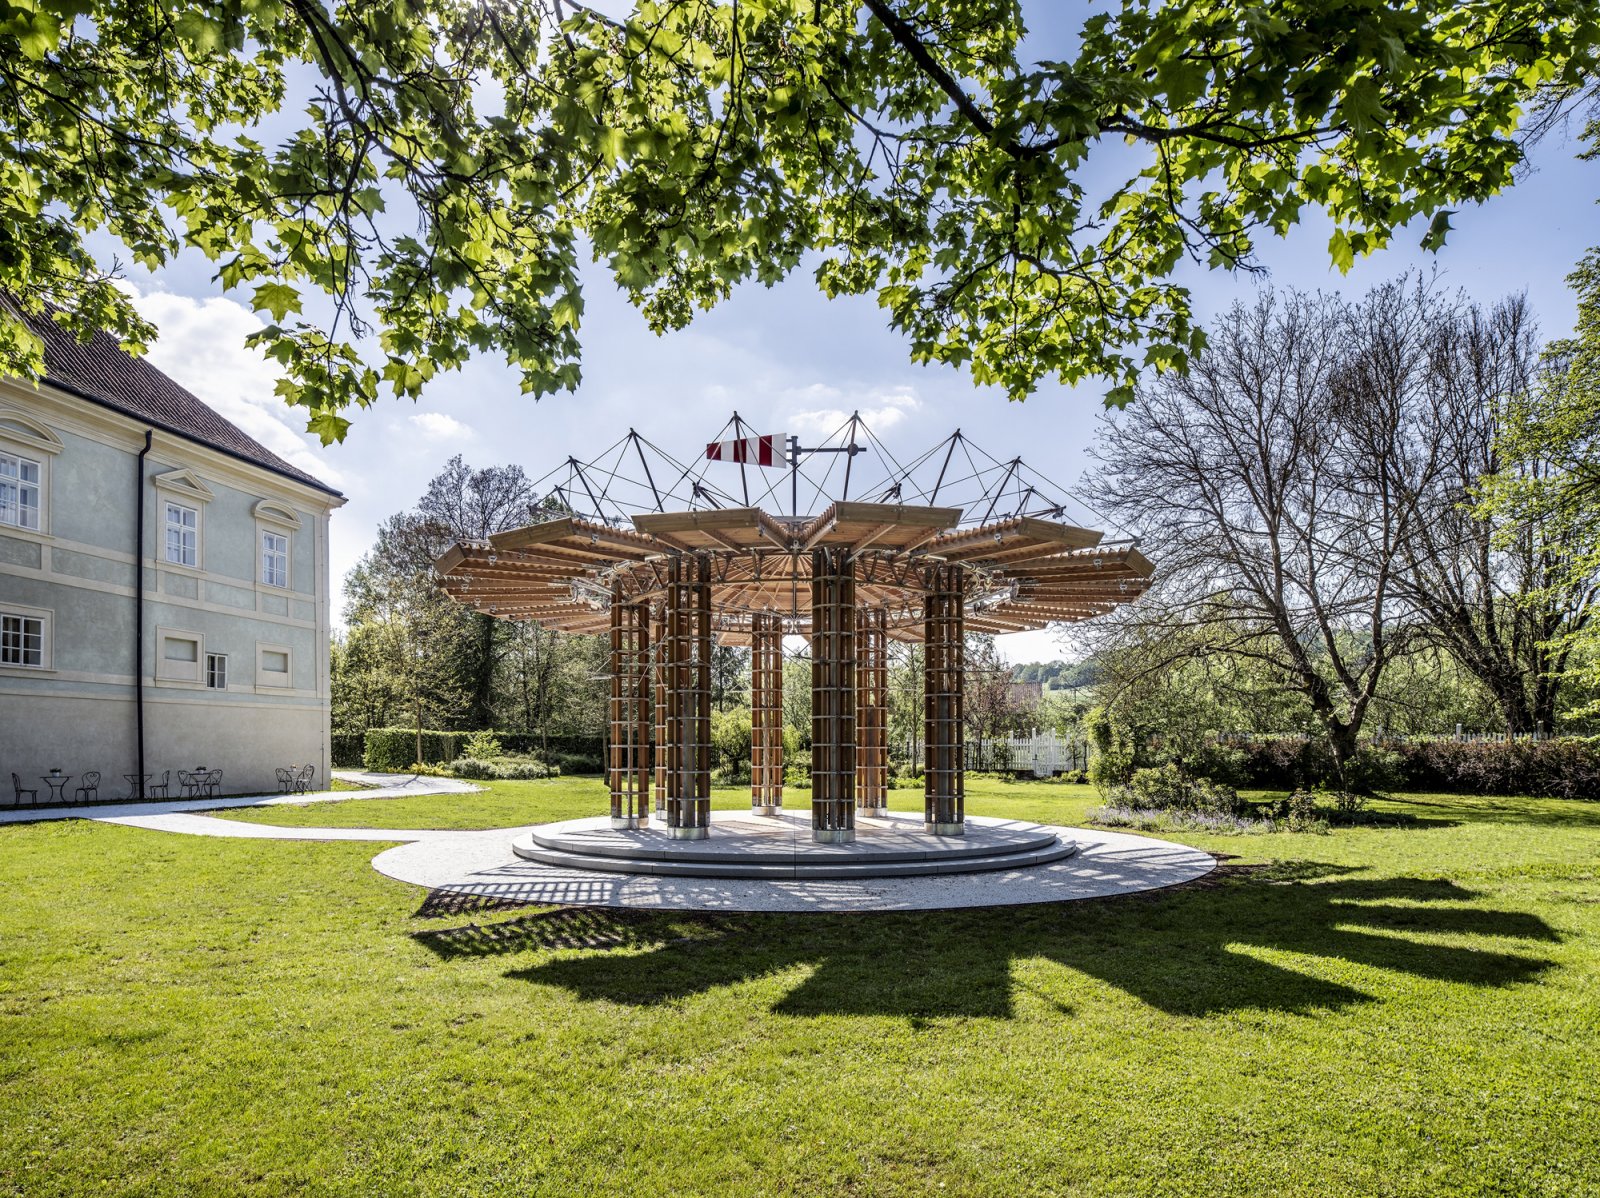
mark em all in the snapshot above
pixel 885 843
pixel 797 866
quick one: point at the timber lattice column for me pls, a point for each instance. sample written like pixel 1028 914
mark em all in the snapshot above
pixel 872 714
pixel 628 730
pixel 833 698
pixel 944 676
pixel 658 669
pixel 689 698
pixel 766 714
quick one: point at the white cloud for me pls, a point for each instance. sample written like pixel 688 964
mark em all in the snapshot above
pixel 441 427
pixel 821 410
pixel 201 345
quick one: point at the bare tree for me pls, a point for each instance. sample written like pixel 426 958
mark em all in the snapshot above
pixel 1268 519
pixel 1426 391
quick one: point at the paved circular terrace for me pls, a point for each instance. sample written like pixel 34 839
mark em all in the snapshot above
pixel 484 864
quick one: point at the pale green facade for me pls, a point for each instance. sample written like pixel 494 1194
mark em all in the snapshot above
pixel 235 649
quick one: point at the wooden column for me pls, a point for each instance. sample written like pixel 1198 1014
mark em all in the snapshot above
pixel 944 647
pixel 628 730
pixel 658 664
pixel 833 698
pixel 766 714
pixel 872 714
pixel 689 698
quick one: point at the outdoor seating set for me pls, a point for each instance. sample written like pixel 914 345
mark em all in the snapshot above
pixel 295 779
pixel 198 783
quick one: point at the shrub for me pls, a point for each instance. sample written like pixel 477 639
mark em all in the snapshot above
pixel 797 768
pixel 578 763
pixel 1073 777
pixel 1345 802
pixel 391 750
pixel 1168 788
pixel 730 745
pixel 501 769
pixel 1111 757
pixel 482 745
pixel 1297 811
pixel 1373 769
pixel 1223 764
pixel 1147 819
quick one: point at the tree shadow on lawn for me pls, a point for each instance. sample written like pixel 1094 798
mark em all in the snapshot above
pixel 1187 952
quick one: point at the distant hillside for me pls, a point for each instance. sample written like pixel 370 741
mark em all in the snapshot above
pixel 1057 675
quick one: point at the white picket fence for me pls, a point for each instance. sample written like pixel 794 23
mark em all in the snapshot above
pixel 1043 754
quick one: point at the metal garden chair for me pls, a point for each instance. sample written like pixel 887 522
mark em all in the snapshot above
pixel 89 792
pixel 33 795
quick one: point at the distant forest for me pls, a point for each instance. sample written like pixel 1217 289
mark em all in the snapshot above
pixel 1058 675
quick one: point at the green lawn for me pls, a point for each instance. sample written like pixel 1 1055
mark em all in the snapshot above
pixel 1393 1010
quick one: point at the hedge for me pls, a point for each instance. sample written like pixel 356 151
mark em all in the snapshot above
pixel 349 750
pixel 392 750
pixel 1558 768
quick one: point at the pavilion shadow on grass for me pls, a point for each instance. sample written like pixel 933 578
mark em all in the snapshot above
pixel 667 570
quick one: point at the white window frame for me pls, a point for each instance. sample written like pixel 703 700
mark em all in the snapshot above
pixel 167 529
pixel 175 670
pixel 14 511
pixel 46 620
pixel 216 671
pixel 266 578
pixel 24 439
pixel 266 678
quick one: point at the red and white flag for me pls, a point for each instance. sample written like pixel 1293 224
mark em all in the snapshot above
pixel 757 451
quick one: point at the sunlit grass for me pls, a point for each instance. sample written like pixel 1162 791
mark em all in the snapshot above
pixel 1402 1010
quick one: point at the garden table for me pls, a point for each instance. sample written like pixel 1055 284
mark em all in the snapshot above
pixel 136 784
pixel 57 784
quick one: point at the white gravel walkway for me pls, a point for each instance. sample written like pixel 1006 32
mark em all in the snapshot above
pixel 151 814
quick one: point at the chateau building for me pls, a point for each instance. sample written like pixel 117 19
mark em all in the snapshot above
pixel 163 585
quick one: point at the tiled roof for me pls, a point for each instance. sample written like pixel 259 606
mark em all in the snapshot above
pixel 101 371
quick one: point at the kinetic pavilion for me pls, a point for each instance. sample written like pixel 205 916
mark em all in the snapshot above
pixel 668 560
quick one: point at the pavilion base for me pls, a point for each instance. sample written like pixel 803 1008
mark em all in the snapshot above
pixel 933 829
pixel 782 847
pixel 833 835
pixel 688 833
pixel 767 809
pixel 623 822
pixel 872 813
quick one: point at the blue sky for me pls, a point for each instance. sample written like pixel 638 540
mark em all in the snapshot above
pixel 790 360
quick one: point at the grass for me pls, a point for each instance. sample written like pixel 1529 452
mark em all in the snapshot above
pixel 1400 1008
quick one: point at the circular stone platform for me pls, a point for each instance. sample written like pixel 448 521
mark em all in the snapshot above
pixel 483 863
pixel 742 845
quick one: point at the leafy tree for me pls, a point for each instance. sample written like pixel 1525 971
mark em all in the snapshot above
pixel 399 186
pixel 1556 423
pixel 394 580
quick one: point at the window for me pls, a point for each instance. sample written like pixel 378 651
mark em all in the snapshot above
pixel 217 671
pixel 272 665
pixel 183 535
pixel 275 559
pixel 19 491
pixel 180 656
pixel 22 641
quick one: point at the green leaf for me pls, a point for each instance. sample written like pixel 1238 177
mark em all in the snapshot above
pixel 279 299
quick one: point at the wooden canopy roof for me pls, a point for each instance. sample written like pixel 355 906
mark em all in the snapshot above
pixel 1023 572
